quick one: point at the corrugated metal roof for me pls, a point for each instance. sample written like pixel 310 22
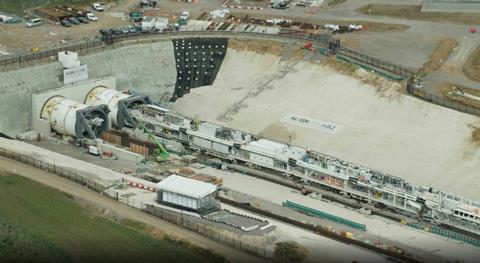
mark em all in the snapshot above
pixel 185 186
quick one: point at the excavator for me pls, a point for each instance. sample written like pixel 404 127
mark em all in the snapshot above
pixel 160 154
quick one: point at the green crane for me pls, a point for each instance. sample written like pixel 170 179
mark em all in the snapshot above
pixel 161 155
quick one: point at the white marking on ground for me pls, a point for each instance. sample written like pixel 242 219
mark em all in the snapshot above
pixel 311 123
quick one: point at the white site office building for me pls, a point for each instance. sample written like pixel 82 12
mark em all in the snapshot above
pixel 187 194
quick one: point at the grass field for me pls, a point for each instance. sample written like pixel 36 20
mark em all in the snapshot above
pixel 413 12
pixel 40 224
pixel 17 7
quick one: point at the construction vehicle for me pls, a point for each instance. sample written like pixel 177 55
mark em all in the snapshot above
pixel 92 150
pixel 136 16
pixel 279 4
pixel 160 154
pixel 148 3
pixel 305 191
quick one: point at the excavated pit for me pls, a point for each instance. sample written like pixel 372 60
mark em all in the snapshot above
pixel 259 86
pixel 373 123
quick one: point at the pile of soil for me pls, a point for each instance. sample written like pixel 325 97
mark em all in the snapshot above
pixel 441 53
pixel 471 68
pixel 261 47
pixel 476 135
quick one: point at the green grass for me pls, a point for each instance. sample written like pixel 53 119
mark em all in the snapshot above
pixel 40 224
pixel 18 6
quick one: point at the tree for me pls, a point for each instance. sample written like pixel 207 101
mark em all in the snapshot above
pixel 287 252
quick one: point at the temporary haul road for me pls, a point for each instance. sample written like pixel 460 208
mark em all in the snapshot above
pixel 121 210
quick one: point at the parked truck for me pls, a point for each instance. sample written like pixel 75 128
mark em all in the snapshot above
pixel 148 3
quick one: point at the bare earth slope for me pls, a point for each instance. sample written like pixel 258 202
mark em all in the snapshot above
pixel 377 126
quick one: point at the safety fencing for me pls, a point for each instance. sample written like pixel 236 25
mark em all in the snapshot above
pixel 377 63
pixel 109 40
pixel 446 233
pixel 49 55
pixel 49 166
pixel 191 221
pixel 249 243
pixel 445 102
pixel 324 215
pixel 323 41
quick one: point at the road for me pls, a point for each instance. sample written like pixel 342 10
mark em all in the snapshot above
pixel 122 210
pixel 411 47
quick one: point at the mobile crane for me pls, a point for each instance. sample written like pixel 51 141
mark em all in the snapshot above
pixel 161 155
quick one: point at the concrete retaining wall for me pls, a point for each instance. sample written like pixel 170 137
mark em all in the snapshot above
pixel 146 68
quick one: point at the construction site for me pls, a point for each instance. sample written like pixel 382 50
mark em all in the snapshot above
pixel 248 125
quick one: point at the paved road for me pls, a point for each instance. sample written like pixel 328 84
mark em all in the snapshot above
pixel 411 47
pixel 122 210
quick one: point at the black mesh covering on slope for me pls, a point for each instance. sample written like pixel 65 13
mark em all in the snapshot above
pixel 198 61
pixel 5 136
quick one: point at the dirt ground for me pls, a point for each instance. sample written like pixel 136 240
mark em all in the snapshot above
pixel 413 12
pixel 262 47
pixel 369 26
pixel 446 90
pixel 440 55
pixel 471 68
pixel 24 6
pixel 476 134
pixel 254 92
pixel 17 38
pixel 332 3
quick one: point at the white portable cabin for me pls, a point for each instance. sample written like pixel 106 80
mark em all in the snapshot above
pixel 161 23
pixel 148 23
pixel 185 193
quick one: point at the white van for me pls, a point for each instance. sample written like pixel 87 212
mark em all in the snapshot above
pixel 185 15
pixel 98 7
pixel 92 17
pixel 34 22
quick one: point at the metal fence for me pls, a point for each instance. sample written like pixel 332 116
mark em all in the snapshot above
pixel 446 233
pixel 250 244
pixel 89 46
pixel 375 62
pixel 445 102
pixel 324 215
pixel 49 166
pixel 50 55
pixel 242 242
pixel 322 40
pixel 85 47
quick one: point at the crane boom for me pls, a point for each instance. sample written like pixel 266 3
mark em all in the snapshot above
pixel 162 154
